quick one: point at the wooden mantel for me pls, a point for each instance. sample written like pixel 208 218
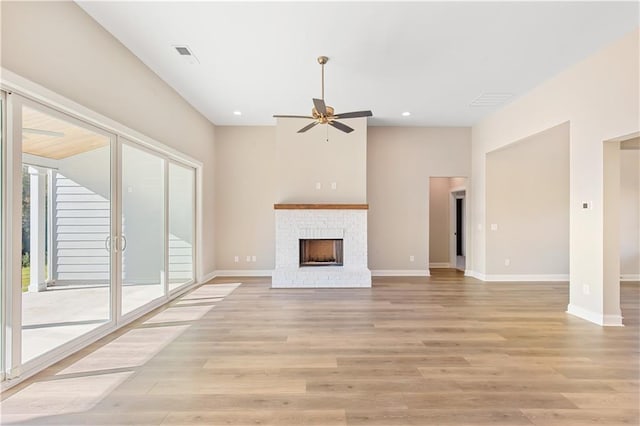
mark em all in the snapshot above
pixel 321 206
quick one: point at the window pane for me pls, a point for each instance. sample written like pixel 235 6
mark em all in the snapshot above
pixel 142 227
pixel 66 220
pixel 181 212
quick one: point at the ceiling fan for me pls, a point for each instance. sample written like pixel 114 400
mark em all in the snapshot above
pixel 324 114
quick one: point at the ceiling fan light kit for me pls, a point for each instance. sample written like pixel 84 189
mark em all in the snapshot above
pixel 325 114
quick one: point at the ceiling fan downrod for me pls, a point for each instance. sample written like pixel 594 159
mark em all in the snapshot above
pixel 322 60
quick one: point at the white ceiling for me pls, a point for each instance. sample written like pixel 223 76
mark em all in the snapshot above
pixel 430 58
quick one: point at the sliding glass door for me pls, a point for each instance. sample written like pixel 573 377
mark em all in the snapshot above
pixel 96 230
pixel 143 227
pixel 181 225
pixel 66 204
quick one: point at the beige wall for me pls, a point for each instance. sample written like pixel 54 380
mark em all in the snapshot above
pixel 630 213
pixel 599 98
pixel 439 198
pixel 57 45
pixel 400 161
pixel 244 196
pixel 527 197
pixel 306 159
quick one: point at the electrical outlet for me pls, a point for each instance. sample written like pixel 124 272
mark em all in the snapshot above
pixel 236 259
pixel 248 258
pixel 334 185
pixel 412 258
pixel 507 262
pixel 253 258
pixel 494 226
pixel 318 185
pixel 586 289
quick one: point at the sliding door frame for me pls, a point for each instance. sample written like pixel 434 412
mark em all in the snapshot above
pixel 3 231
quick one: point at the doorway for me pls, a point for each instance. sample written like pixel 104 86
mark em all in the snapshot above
pixel 447 222
pixel 458 234
pixel 621 202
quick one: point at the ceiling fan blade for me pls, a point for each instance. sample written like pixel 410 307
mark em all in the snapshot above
pixel 354 114
pixel 341 126
pixel 293 116
pixel 320 106
pixel 307 127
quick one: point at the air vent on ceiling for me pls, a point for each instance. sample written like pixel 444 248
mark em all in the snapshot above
pixel 491 99
pixel 186 54
pixel 183 50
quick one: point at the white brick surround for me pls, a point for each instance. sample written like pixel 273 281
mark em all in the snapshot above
pixel 293 225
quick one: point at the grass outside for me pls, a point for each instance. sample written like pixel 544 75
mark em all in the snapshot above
pixel 26 274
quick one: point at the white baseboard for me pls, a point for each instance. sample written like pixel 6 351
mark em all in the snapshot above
pixel 612 321
pixel 630 277
pixel 526 277
pixel 244 273
pixel 208 277
pixel 595 317
pixel 473 274
pixel 400 273
pixel 439 265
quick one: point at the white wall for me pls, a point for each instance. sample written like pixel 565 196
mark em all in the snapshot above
pixel 72 55
pixel 527 197
pixel 599 98
pixel 630 213
pixel 400 161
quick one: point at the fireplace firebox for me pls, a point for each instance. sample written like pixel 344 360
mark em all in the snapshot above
pixel 321 252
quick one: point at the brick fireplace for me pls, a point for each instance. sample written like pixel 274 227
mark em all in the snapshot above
pixel 332 237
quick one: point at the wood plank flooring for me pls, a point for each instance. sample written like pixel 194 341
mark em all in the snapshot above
pixel 444 350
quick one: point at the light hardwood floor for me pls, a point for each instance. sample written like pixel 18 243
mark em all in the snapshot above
pixel 445 350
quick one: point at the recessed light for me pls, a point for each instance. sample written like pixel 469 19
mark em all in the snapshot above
pixel 406 114
pixel 237 113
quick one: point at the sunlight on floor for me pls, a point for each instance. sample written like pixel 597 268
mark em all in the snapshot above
pixel 83 384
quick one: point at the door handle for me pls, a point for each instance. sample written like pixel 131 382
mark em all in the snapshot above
pixel 107 244
pixel 124 243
